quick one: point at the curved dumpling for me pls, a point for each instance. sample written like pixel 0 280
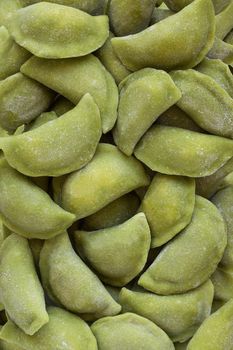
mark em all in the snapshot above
pixel 59 146
pixel 129 17
pixel 12 56
pixel 21 291
pixel 108 176
pixel 114 213
pixel 94 7
pixel 178 315
pixel 70 283
pixel 223 200
pixel 21 100
pixel 27 209
pixel 205 101
pixel 56 31
pixel 168 205
pixel 216 331
pixel 63 331
pixel 176 151
pixel 219 71
pixel 177 42
pixel 144 95
pixel 74 78
pixel 129 331
pixel 118 253
pixel 7 8
pixel 111 62
pixel 190 259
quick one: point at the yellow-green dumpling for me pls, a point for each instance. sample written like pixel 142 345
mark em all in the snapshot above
pixel 216 331
pixel 178 315
pixel 129 332
pixel 20 289
pixel 178 42
pixel 176 151
pixel 191 257
pixel 71 284
pixel 108 176
pixel 68 32
pixel 168 205
pixel 63 331
pixel 117 253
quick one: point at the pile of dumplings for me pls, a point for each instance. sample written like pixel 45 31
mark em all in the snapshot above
pixel 116 175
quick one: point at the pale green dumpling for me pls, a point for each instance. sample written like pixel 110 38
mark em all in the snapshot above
pixel 63 331
pixel 175 151
pixel 215 332
pixel 41 120
pixel 221 50
pixel 12 56
pixel 144 96
pixel 59 146
pixel 129 332
pixel 168 205
pixel 223 200
pixel 131 16
pixel 22 100
pixel 7 7
pixel 117 253
pixel 178 42
pixel 178 315
pixel 205 101
pixel 108 176
pixel 56 31
pixel 189 260
pixel 224 22
pixel 27 209
pixel 76 77
pixel 71 284
pixel 20 289
pixel 113 214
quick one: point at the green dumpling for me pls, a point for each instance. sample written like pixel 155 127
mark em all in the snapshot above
pixel 190 258
pixel 20 288
pixel 210 106
pixel 76 77
pixel 61 106
pixel 216 331
pixel 131 16
pixel 222 280
pixel 108 176
pixel 178 315
pixel 12 56
pixel 70 283
pixel 59 146
pixel 7 8
pixel 117 253
pixel 168 205
pixel 55 31
pixel 129 332
pixel 22 100
pixel 27 209
pixel 221 50
pixel 113 214
pixel 224 22
pixel 178 42
pixel 176 151
pixel 63 331
pixel 144 96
